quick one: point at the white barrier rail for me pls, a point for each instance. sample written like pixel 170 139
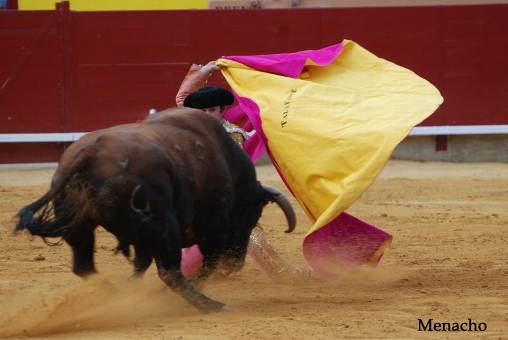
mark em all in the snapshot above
pixel 417 131
pixel 40 137
pixel 459 130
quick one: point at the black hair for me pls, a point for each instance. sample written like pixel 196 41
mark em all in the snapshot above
pixel 209 96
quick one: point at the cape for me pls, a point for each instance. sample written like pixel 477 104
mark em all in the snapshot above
pixel 329 120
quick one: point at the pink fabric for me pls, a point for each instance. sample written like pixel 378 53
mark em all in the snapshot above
pixel 236 115
pixel 192 260
pixel 344 243
pixel 289 64
pixel 246 115
pixel 254 147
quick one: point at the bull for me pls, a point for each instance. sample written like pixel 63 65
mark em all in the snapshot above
pixel 174 180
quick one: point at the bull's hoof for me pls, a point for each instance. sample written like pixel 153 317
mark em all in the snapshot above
pixel 214 307
pixel 84 272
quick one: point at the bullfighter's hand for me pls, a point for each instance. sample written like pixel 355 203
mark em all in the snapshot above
pixel 210 67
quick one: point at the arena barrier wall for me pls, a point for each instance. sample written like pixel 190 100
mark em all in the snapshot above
pixel 65 71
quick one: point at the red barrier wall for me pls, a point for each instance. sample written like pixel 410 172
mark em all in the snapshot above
pixel 79 71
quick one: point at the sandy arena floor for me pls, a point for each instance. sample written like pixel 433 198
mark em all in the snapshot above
pixel 449 262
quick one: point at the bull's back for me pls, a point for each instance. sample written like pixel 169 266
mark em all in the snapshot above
pixel 79 154
pixel 189 145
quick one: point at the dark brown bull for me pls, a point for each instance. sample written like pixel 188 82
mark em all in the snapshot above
pixel 175 180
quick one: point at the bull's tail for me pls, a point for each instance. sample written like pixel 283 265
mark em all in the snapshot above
pixel 41 218
pixel 55 214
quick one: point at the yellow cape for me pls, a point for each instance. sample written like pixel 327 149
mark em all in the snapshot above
pixel 331 131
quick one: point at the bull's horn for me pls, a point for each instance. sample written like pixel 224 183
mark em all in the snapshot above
pixel 284 204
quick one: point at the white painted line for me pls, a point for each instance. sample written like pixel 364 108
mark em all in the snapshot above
pixel 459 130
pixel 417 131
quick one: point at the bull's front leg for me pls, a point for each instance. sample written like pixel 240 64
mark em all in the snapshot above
pixel 143 258
pixel 168 259
pixel 171 275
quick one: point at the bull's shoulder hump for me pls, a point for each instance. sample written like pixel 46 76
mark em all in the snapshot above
pixel 122 140
pixel 171 114
pixel 181 116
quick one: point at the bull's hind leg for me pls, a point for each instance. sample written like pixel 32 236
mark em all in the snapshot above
pixel 82 242
pixel 79 234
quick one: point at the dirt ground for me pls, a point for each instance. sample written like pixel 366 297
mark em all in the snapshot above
pixel 448 262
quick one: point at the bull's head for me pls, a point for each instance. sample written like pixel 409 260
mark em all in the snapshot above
pixel 254 241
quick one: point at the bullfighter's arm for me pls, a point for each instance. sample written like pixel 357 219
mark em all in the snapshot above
pixel 196 77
